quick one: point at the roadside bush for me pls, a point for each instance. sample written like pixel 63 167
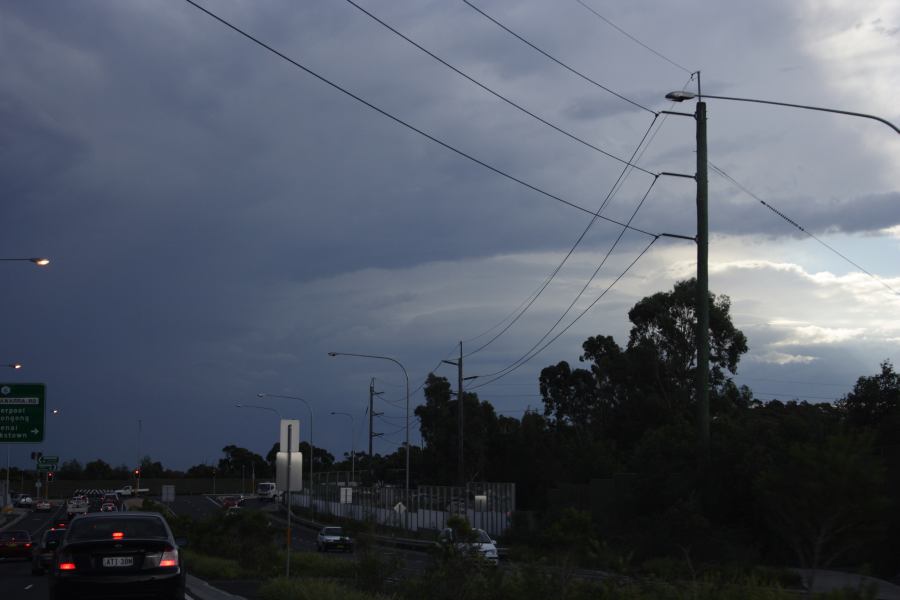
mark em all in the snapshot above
pixel 310 564
pixel 310 589
pixel 372 569
pixel 211 567
pixel 246 537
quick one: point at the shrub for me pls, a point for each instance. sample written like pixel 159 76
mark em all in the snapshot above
pixel 211 567
pixel 309 589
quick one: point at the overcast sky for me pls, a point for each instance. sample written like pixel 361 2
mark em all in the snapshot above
pixel 219 219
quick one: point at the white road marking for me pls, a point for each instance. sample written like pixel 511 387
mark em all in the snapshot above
pixel 29 586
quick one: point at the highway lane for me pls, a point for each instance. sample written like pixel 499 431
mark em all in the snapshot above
pixel 16 580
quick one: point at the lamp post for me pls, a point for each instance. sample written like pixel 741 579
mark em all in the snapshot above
pixel 16 367
pixel 702 239
pixel 287 568
pixel 352 443
pixel 39 261
pixel 405 374
pixel 681 96
pixel 312 448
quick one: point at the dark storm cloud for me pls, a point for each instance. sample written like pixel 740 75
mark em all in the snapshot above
pixel 220 219
pixel 32 151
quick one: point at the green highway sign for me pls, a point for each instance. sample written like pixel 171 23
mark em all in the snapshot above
pixel 22 407
pixel 47 468
pixel 48 460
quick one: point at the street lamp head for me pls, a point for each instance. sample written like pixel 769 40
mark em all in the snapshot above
pixel 261 395
pixel 680 96
pixel 239 406
pixel 332 354
pixel 40 261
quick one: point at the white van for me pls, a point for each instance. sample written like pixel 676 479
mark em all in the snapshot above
pixel 266 490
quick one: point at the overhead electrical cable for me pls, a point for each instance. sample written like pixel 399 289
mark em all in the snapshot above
pixel 575 245
pixel 554 59
pixel 515 366
pixel 400 121
pixel 496 94
pixel 633 39
pixel 800 227
pixel 586 285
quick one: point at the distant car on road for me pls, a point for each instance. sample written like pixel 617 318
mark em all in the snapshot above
pixel 229 501
pixel 15 544
pixel 77 505
pixel 268 491
pixel 477 544
pixel 43 551
pixel 108 507
pixel 118 555
pixel 25 502
pixel 333 537
pixel 42 506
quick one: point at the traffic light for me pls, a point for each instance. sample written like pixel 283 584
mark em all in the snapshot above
pixel 49 476
pixel 137 472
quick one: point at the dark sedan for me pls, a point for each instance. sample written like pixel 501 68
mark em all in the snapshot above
pixel 118 555
pixel 15 544
pixel 42 557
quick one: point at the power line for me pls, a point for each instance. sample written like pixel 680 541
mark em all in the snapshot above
pixel 554 59
pixel 634 39
pixel 494 93
pixel 553 274
pixel 636 156
pixel 409 126
pixel 798 226
pixel 591 279
pixel 528 356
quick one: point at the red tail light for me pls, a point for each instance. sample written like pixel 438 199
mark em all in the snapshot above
pixel 118 535
pixel 169 559
pixel 66 566
pixel 28 544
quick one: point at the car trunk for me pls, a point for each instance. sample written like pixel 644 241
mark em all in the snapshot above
pixel 110 557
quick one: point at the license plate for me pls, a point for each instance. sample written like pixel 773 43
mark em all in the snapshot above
pixel 118 561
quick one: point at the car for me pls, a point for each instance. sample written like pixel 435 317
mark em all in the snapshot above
pixel 477 544
pixel 44 551
pixel 333 537
pixel 267 490
pixel 42 506
pixel 15 544
pixel 118 555
pixel 77 505
pixel 108 507
pixel 112 497
pixel 229 501
pixel 25 502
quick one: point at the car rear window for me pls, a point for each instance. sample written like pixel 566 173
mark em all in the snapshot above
pixel 54 535
pixel 103 529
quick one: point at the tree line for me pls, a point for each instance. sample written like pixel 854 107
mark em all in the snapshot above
pixel 616 439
